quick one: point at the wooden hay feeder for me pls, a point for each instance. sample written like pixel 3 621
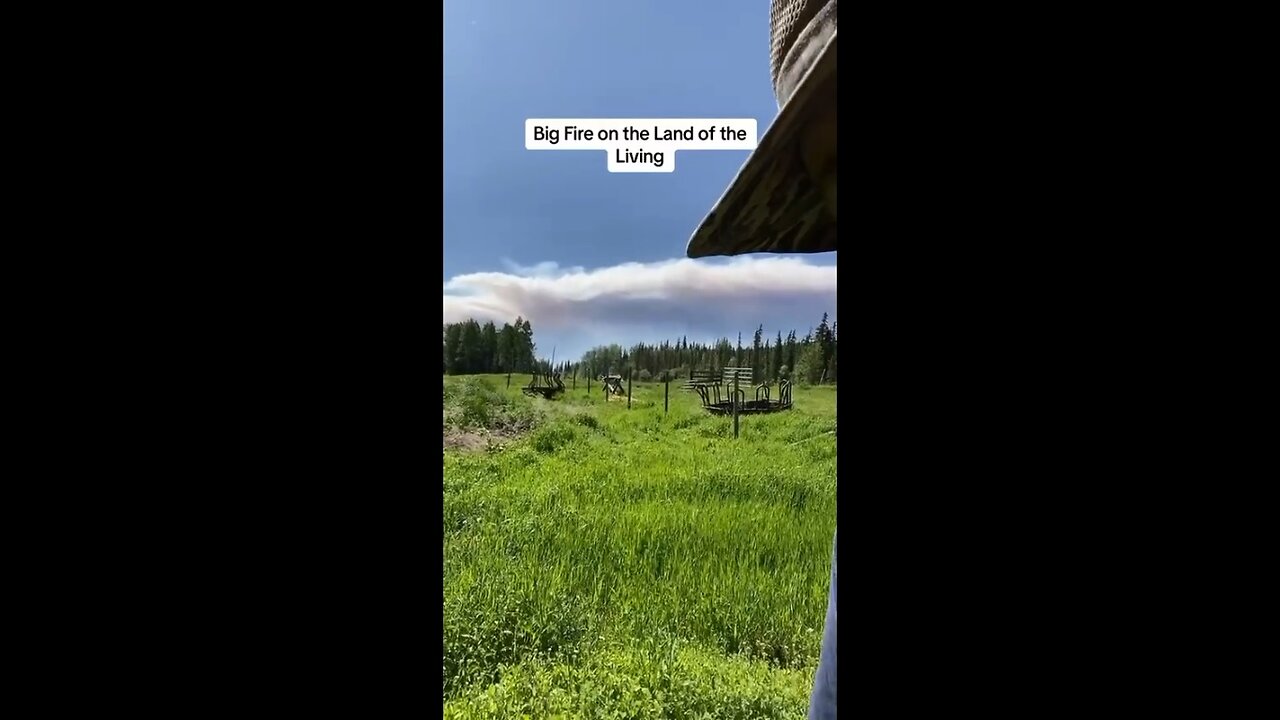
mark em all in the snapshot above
pixel 716 404
pixel 613 385
pixel 544 384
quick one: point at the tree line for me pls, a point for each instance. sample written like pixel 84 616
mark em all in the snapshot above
pixel 471 348
pixel 810 359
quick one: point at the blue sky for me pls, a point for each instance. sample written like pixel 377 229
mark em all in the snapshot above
pixel 590 256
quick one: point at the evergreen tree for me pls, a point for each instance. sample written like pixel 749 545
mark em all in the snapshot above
pixel 505 350
pixel 756 359
pixel 824 339
pixel 488 348
pixel 809 365
pixel 831 363
pixel 469 349
pixel 777 356
pixel 453 358
pixel 529 346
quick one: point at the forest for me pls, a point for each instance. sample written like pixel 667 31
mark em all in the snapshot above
pixel 472 348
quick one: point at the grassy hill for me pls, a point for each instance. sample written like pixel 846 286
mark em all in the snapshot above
pixel 601 562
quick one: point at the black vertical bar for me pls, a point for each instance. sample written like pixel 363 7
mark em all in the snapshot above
pixel 666 396
pixel 628 389
pixel 588 386
pixel 508 379
pixel 735 404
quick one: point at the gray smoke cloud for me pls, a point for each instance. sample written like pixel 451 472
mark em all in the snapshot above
pixel 577 307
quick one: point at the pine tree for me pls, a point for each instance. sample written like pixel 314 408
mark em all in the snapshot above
pixel 488 348
pixel 777 356
pixel 755 353
pixel 822 336
pixel 505 349
pixel 452 352
pixel 468 347
pixel 524 349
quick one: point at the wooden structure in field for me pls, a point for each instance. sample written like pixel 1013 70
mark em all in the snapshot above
pixel 717 403
pixel 701 377
pixel 729 396
pixel 612 385
pixel 745 376
pixel 546 384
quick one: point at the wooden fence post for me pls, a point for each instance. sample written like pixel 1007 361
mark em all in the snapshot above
pixel 735 404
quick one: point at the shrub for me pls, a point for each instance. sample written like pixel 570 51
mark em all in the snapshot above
pixel 550 438
pixel 474 404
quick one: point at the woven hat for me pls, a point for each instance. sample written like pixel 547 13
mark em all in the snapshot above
pixel 772 205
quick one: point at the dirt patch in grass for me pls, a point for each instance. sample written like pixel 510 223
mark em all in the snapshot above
pixel 477 440
pixel 462 440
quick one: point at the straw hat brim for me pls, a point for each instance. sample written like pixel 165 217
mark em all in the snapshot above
pixel 772 206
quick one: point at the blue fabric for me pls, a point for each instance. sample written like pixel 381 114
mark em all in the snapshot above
pixel 822 704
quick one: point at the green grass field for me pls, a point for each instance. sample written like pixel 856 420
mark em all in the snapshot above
pixel 601 562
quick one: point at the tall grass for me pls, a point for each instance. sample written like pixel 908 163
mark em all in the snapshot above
pixel 634 562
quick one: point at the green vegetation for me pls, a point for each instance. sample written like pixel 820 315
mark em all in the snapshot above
pixel 615 563
pixel 475 404
pixel 472 348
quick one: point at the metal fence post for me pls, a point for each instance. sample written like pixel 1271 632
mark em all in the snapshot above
pixel 666 396
pixel 628 389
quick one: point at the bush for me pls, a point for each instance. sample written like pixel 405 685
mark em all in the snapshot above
pixel 644 376
pixel 474 404
pixel 550 438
